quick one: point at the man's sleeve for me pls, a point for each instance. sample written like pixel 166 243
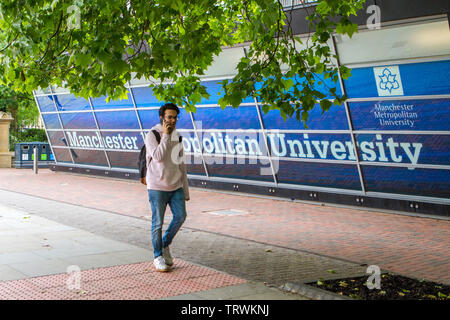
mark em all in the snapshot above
pixel 156 151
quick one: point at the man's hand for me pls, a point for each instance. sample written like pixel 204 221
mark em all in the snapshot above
pixel 167 128
pixel 143 181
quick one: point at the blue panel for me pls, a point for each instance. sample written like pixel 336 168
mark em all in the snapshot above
pixel 427 78
pixel 100 103
pixel 143 96
pixel 213 88
pixel 51 121
pixel 68 102
pixel 127 160
pixel 117 120
pixel 194 165
pixel 334 119
pixel 244 117
pixel 46 103
pixel 184 120
pixel 318 174
pixel 421 115
pixel 149 118
pixel 419 182
pixel 312 146
pixel 361 84
pixel 83 120
pixel 239 168
pixel 411 149
pixel 56 138
pixel 92 157
pixel 62 155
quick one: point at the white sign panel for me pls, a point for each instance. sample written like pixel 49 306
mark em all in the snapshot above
pixel 389 82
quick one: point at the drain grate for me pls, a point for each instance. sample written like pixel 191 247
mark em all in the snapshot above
pixel 228 212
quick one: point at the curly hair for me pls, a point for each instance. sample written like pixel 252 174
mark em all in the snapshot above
pixel 168 106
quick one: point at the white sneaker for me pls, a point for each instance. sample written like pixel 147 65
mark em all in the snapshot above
pixel 167 257
pixel 160 264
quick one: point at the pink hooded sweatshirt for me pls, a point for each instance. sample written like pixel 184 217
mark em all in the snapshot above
pixel 167 168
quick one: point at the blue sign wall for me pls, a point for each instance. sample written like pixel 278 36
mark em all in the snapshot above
pixel 398 116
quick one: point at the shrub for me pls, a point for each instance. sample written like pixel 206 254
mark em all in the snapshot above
pixel 27 135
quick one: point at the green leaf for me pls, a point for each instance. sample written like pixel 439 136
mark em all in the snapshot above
pixel 265 108
pixel 325 105
pixel 222 103
pixel 305 116
pixel 130 51
pixel 82 60
pixel 288 83
pixel 195 98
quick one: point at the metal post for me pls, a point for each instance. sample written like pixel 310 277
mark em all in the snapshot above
pixel 35 160
pixel 349 119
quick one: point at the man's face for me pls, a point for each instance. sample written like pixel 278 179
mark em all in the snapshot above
pixel 170 117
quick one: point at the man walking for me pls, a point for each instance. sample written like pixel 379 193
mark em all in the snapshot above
pixel 166 181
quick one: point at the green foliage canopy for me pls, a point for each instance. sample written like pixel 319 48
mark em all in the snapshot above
pixel 94 47
pixel 20 106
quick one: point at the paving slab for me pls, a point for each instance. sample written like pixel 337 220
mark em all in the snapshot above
pixel 245 291
pixel 8 273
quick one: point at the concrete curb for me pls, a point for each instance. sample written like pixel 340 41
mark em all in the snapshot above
pixel 312 292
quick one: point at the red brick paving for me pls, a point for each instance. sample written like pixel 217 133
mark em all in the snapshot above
pixel 137 281
pixel 414 246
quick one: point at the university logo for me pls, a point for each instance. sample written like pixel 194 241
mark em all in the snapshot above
pixel 389 82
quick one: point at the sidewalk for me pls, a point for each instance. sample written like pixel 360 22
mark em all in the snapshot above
pixel 41 259
pixel 245 240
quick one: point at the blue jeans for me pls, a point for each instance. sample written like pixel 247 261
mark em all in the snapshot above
pixel 158 201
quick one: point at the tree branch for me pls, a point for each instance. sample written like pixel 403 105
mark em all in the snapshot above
pixel 50 39
pixel 9 44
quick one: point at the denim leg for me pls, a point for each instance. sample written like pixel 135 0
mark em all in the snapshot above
pixel 177 205
pixel 158 201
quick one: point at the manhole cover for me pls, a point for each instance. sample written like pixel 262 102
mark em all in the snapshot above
pixel 228 212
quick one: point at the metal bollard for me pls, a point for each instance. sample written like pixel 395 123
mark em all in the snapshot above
pixel 35 160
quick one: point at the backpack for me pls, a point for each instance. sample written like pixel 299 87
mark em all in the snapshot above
pixel 142 163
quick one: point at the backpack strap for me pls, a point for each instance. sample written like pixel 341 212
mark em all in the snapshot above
pixel 157 136
pixel 142 162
